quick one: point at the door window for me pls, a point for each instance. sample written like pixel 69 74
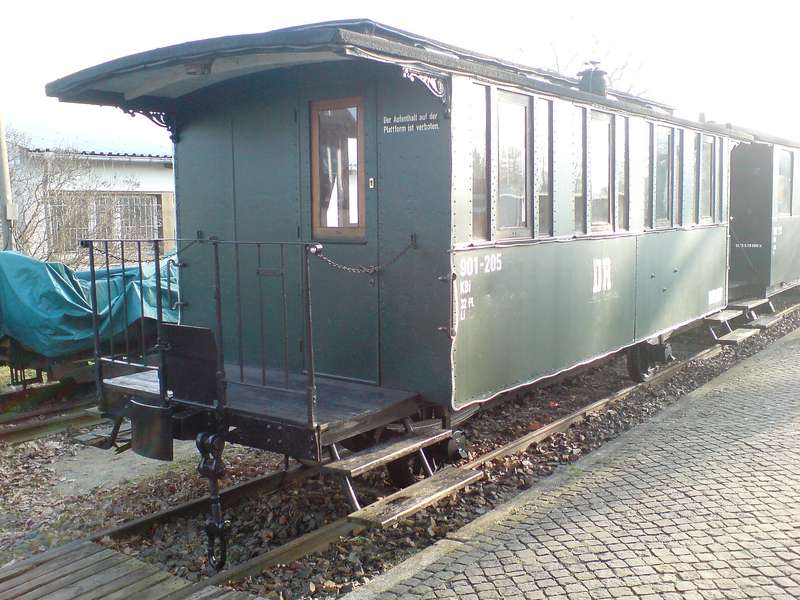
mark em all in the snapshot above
pixel 337 169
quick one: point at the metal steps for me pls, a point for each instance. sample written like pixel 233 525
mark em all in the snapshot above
pixel 748 305
pixel 415 497
pixel 362 462
pixel 721 319
pixel 723 316
pixel 764 322
pixel 736 336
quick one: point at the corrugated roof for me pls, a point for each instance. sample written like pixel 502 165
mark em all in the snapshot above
pixel 93 153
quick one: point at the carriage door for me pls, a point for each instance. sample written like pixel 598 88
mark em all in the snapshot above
pixel 344 221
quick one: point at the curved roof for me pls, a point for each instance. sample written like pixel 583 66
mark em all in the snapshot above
pixel 159 72
pixel 156 80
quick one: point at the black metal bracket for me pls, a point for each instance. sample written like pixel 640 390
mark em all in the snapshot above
pixel 296 441
pixel 437 86
pixel 167 120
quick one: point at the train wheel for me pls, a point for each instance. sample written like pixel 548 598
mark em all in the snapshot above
pixel 640 362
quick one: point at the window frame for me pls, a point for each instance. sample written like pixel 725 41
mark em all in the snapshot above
pixel 781 152
pixel 486 91
pixel 538 103
pixel 520 232
pixel 620 125
pixel 702 219
pixel 323 233
pixel 669 221
pixel 694 200
pixel 584 127
pixel 603 227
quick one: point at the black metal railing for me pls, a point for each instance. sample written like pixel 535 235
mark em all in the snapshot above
pixel 114 341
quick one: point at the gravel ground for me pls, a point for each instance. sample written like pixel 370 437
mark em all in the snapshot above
pixel 36 515
pixel 355 560
pixel 266 521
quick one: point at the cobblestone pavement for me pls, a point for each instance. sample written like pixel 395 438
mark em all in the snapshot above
pixel 703 502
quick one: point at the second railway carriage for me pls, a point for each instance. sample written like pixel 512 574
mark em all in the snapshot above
pixel 765 218
pixel 375 226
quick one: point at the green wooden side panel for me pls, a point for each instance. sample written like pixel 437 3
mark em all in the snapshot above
pixel 751 218
pixel 414 185
pixel 237 180
pixel 244 173
pixel 525 312
pixel 681 276
pixel 785 251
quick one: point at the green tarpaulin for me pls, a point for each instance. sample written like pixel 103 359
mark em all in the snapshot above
pixel 46 306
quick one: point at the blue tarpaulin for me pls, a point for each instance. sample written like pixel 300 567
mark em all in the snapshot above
pixel 47 307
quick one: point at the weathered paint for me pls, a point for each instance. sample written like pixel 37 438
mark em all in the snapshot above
pixel 547 307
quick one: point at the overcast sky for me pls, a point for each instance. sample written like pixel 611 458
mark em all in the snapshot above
pixel 729 59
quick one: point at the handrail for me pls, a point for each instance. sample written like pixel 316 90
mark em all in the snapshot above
pixel 208 240
pixel 221 308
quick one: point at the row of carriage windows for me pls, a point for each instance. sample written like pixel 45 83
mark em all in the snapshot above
pixel 608 155
pixel 678 169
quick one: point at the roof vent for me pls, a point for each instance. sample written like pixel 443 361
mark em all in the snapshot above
pixel 593 79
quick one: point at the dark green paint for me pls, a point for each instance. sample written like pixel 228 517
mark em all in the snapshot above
pixel 765 246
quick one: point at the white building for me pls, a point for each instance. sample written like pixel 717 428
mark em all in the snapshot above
pixel 62 197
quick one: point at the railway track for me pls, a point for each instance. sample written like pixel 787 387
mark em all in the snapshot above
pixel 86 567
pixel 32 426
pixel 18 577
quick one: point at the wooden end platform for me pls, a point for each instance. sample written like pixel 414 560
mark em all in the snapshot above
pixel 737 336
pixel 344 408
pixel 90 571
pixel 415 497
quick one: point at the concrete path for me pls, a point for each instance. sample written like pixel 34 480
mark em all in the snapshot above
pixel 703 501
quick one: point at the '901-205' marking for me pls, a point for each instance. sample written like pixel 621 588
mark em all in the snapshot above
pixel 470 266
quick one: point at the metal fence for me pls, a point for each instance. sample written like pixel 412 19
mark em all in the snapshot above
pixel 114 344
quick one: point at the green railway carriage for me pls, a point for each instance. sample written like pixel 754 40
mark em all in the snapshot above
pixel 765 218
pixel 374 225
pixel 517 226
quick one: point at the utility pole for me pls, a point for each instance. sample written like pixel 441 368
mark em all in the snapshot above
pixel 6 202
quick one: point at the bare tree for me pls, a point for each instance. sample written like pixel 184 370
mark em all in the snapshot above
pixel 60 199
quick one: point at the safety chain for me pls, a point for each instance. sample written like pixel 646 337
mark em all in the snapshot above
pixel 370 269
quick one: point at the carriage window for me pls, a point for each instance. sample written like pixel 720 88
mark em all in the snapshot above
pixel 621 162
pixel 707 179
pixel 663 173
pixel 783 191
pixel 600 140
pixel 648 194
pixel 690 142
pixel 480 178
pixel 639 153
pixel 512 199
pixel 337 168
pixel 578 170
pixel 543 136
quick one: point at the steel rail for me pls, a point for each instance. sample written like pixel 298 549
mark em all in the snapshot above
pixel 55 424
pixel 321 538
